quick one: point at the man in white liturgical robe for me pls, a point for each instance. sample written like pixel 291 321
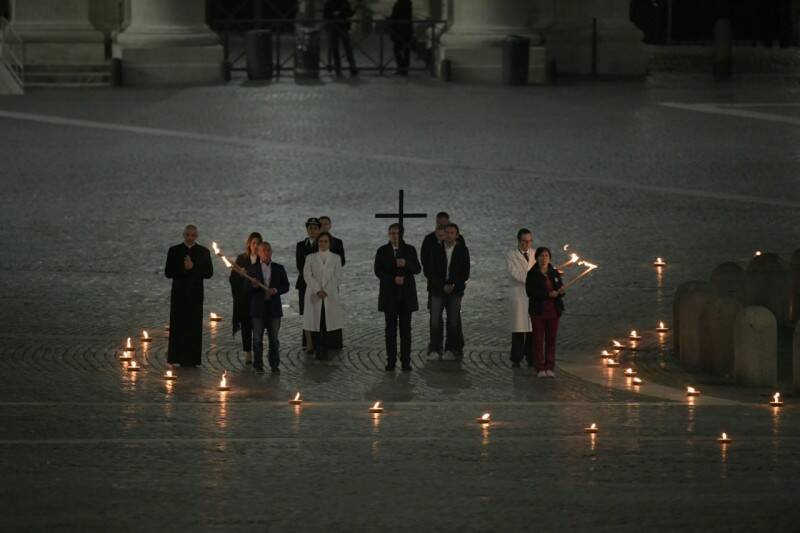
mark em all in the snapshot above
pixel 519 261
pixel 323 313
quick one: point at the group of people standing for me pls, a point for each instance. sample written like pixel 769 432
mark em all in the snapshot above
pixel 257 284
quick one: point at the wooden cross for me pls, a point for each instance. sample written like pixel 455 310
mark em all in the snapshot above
pixel 400 213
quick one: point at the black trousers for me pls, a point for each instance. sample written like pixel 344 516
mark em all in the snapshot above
pixel 335 34
pixel 522 347
pixel 319 337
pixel 400 314
pixel 402 54
pixel 246 324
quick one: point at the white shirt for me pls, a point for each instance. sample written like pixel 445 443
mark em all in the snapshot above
pixel 448 250
pixel 253 259
pixel 266 272
pixel 324 256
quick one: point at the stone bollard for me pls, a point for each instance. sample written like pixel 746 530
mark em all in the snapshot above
pixel 691 330
pixel 796 358
pixel 767 284
pixel 755 347
pixel 794 273
pixel 717 320
pixel 680 293
pixel 728 280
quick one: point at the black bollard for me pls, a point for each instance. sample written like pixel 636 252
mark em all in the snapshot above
pixel 723 49
pixel 258 47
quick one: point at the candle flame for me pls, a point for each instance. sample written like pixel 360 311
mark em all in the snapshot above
pixel 605 353
pixel 145 335
pixel 633 333
pixel 617 344
pixel 637 381
pixel 593 426
pixel 128 344
pixel 724 436
pixel 629 371
pixel 486 416
pixel 133 364
pixel 377 405
pixel 776 397
pixel 169 373
pixel 691 390
pixel 213 316
pixel 661 325
pixel 297 396
pixel 224 381
pixel 227 263
pixel 758 252
pixel 215 247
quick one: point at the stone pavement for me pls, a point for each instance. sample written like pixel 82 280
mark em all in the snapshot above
pixel 97 184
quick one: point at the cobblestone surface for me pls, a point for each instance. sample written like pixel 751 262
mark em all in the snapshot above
pixel 98 184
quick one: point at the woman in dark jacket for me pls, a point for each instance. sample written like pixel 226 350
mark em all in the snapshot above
pixel 545 292
pixel 240 290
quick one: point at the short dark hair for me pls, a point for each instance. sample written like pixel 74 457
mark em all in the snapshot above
pixel 540 250
pixel 398 226
pixel 265 243
pixel 523 231
pixel 452 225
pixel 324 234
pixel 325 217
pixel 442 214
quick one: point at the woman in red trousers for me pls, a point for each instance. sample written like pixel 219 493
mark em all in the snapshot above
pixel 545 293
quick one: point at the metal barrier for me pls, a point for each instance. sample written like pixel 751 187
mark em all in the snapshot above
pixel 12 51
pixel 369 43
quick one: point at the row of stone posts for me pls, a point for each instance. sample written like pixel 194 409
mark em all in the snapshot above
pixel 742 323
pixel 168 41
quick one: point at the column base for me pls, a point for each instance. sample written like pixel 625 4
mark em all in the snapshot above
pixel 54 47
pixel 482 64
pixel 164 66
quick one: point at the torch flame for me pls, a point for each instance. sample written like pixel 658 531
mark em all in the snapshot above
pixel 589 266
pixel 565 247
pixel 215 247
pixel 224 381
pixel 227 263
pixel 377 405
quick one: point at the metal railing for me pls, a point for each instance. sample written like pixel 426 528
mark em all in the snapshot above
pixel 372 43
pixel 12 51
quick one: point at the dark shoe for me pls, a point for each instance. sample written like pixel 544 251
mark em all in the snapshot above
pixel 515 364
pixel 322 357
pixel 389 367
pixel 259 369
pixel 275 370
pixel 406 367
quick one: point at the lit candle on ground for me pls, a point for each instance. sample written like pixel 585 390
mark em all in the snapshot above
pixel 758 252
pixel 637 381
pixel 691 391
pixel 616 345
pixel 169 375
pixel 662 328
pixel 485 419
pixel 376 409
pixel 127 351
pixel 146 337
pixel 128 346
pixel 592 429
pixel 134 366
pixel 776 400
pixel 223 382
pixel 605 354
pixel 296 400
pixel 634 336
pixel 630 372
pixel 659 263
pixel 214 317
pixel 724 439
pixel 610 362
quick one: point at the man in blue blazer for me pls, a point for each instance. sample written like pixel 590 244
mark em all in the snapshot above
pixel 265 306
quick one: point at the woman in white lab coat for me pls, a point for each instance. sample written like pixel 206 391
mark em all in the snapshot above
pixel 323 315
pixel 519 262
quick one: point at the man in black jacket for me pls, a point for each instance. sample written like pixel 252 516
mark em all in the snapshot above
pixel 447 279
pixel 337 14
pixel 265 306
pixel 401 31
pixel 337 246
pixel 304 248
pixel 396 264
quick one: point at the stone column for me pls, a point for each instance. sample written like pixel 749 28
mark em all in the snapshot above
pixel 473 43
pixel 57 33
pixel 168 43
pixel 620 50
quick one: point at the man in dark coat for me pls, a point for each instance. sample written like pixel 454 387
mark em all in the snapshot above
pixel 337 14
pixel 304 248
pixel 265 307
pixel 401 31
pixel 337 246
pixel 396 264
pixel 188 264
pixel 432 240
pixel 447 272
